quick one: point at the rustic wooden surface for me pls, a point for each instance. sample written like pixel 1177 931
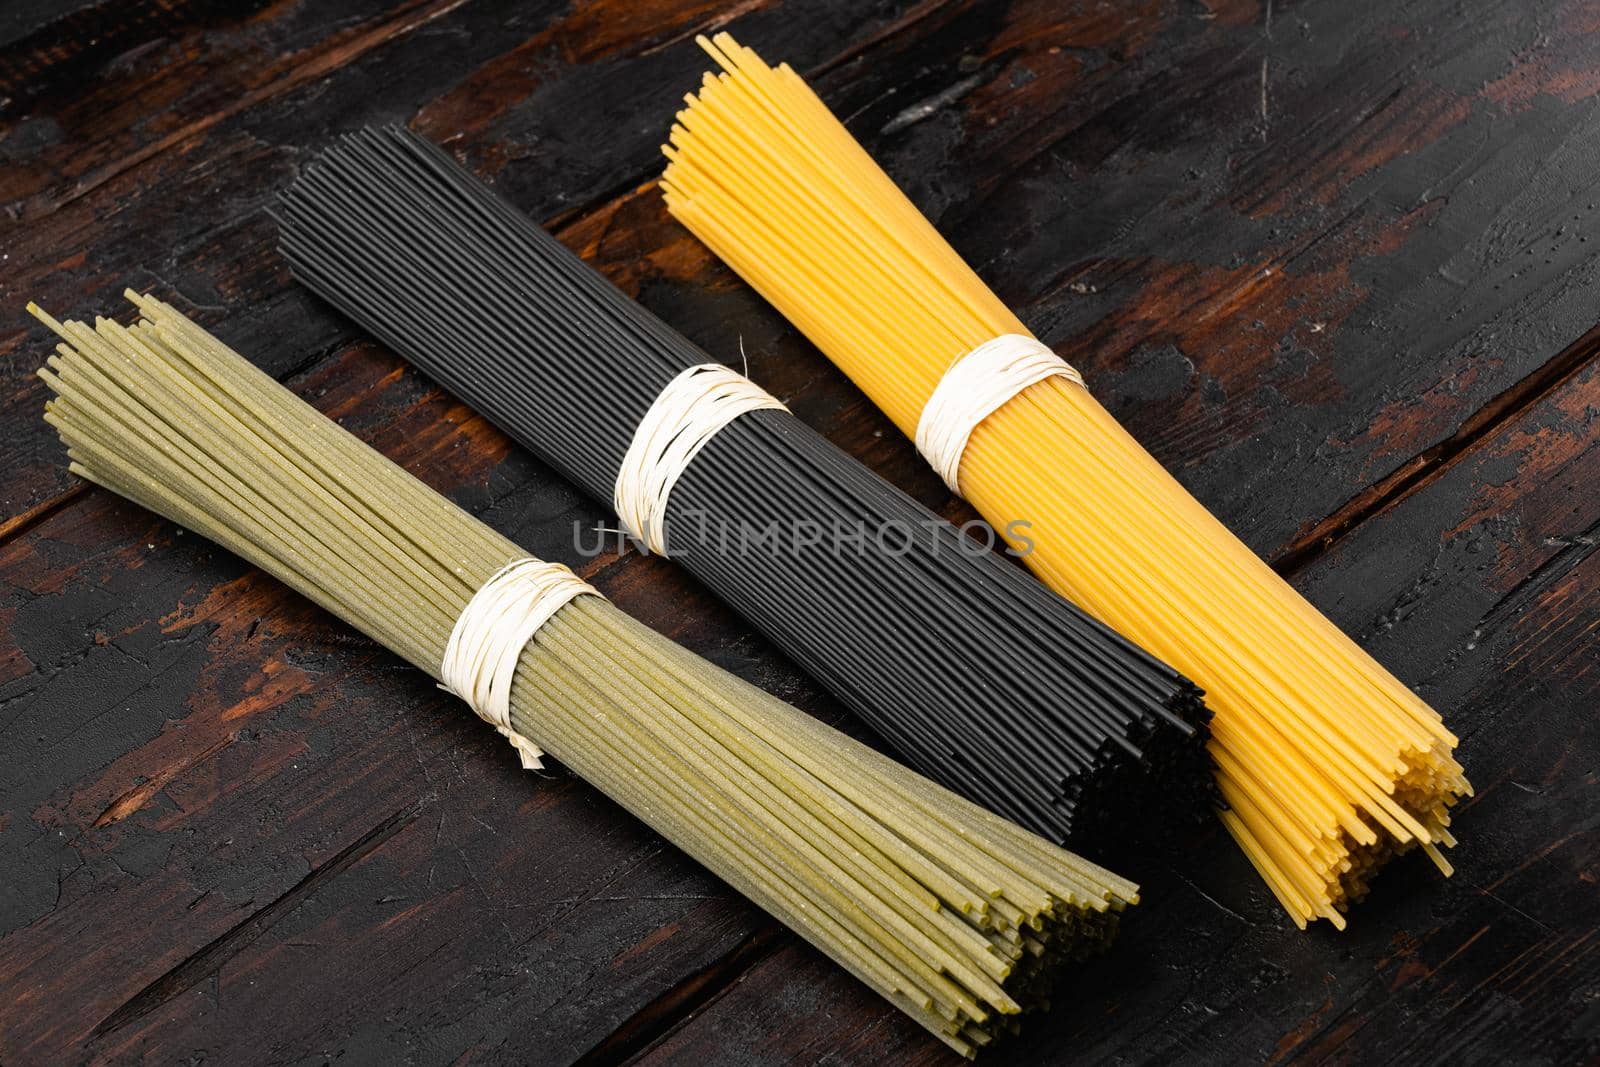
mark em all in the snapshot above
pixel 1330 261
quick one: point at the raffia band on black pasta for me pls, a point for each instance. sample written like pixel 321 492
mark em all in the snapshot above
pixel 684 417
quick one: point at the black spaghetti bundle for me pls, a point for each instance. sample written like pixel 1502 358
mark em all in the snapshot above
pixel 988 682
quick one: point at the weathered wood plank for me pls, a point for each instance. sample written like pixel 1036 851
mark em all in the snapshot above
pixel 1478 589
pixel 182 209
pixel 198 800
pixel 97 92
pixel 1100 122
pixel 1285 305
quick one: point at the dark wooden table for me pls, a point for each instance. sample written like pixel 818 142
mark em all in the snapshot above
pixel 1330 262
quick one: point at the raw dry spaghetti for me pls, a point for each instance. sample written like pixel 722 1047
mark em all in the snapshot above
pixel 954 914
pixel 987 682
pixel 1328 765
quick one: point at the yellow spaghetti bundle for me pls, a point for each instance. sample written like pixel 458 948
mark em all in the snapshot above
pixel 1328 765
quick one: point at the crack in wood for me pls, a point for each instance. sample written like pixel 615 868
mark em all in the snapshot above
pixel 137 796
pixel 206 961
pixel 79 38
pixel 635 184
pixel 18 525
pixel 714 23
pixel 679 1004
pixel 1572 553
pixel 900 27
pixel 1426 466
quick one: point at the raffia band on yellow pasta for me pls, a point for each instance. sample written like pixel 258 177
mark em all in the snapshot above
pixel 490 634
pixel 683 419
pixel 1328 764
pixel 980 383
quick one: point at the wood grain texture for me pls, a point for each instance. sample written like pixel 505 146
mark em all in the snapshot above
pixel 1330 261
pixel 1478 588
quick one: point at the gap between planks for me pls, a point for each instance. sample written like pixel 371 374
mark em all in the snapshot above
pixel 209 960
pixel 1423 468
pixel 650 1024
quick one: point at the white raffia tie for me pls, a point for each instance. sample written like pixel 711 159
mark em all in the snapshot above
pixel 491 632
pixel 688 413
pixel 975 387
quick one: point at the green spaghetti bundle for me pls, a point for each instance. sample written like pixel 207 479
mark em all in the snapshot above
pixel 952 913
